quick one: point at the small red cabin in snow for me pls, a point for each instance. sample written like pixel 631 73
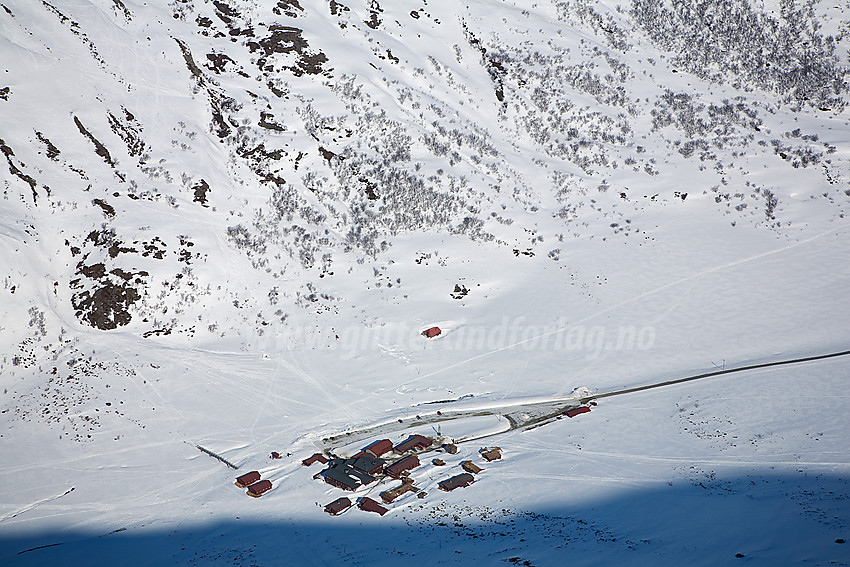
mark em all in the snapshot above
pixel 258 488
pixel 370 505
pixel 406 464
pixel 247 479
pixel 431 333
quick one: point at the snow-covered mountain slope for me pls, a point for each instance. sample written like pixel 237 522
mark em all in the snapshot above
pixel 226 223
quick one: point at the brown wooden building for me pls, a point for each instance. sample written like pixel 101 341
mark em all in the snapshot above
pixel 259 488
pixel 460 481
pixel 493 454
pixel 389 496
pixel 247 479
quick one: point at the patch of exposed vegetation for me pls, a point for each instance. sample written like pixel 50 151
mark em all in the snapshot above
pixel 730 41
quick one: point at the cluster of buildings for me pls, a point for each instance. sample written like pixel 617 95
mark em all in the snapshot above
pixel 252 481
pixel 382 460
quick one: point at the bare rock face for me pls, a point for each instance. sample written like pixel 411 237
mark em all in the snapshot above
pixel 104 293
pixel 107 307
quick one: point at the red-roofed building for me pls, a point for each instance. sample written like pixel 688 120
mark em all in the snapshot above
pixel 247 479
pixel 370 505
pixel 431 333
pixel 316 457
pixel 258 488
pixel 413 443
pixel 405 464
pixel 379 448
pixel 577 411
pixel 338 506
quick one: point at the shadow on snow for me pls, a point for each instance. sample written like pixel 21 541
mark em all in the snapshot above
pixel 765 519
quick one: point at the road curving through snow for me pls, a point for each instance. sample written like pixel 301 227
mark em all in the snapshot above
pixel 529 414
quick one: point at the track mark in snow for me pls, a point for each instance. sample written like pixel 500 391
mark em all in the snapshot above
pixel 338 405
pixel 35 504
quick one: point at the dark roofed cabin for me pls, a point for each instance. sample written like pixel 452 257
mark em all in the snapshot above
pixel 362 476
pixel 247 479
pixel 459 481
pixel 336 477
pixel 406 464
pixel 343 475
pixel 431 333
pixel 367 464
pixel 414 443
pixel 370 505
pixel 258 488
pixel 338 506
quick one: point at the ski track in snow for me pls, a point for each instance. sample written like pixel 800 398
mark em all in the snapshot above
pixel 35 504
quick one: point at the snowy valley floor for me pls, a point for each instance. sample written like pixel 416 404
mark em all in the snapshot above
pixel 698 472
